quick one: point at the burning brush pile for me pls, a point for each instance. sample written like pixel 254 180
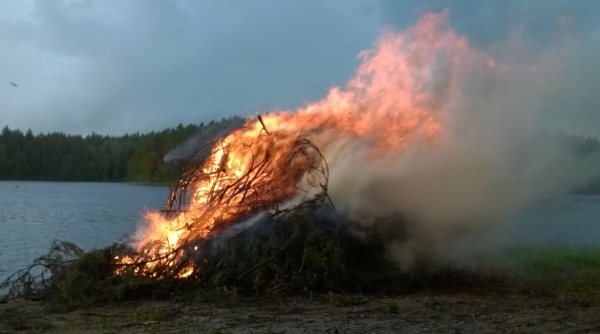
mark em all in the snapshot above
pixel 258 218
pixel 253 216
pixel 256 211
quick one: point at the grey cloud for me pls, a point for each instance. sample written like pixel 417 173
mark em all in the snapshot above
pixel 489 22
pixel 126 66
pixel 113 67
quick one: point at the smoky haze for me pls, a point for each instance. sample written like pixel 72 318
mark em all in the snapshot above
pixel 493 157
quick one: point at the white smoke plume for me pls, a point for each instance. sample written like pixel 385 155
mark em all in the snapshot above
pixel 449 135
pixel 491 158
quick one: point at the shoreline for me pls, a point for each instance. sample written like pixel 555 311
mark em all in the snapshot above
pixel 554 291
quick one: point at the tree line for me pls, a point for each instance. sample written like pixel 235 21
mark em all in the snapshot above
pixel 140 158
pixel 132 157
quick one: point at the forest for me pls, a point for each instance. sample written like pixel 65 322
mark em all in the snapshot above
pixel 137 158
pixel 140 158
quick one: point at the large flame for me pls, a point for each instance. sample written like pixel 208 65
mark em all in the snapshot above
pixel 397 97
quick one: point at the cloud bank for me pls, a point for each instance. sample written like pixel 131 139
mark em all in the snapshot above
pixel 126 66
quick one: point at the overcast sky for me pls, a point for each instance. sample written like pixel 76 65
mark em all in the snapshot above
pixel 112 67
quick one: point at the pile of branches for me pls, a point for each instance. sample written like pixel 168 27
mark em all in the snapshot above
pixel 309 250
pixel 278 169
pixel 282 239
pixel 67 274
pixel 272 246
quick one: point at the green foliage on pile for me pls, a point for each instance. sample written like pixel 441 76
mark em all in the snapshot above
pixel 298 255
pixel 68 275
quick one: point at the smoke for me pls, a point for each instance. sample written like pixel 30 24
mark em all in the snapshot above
pixel 198 146
pixel 450 136
pixel 491 157
pixel 186 149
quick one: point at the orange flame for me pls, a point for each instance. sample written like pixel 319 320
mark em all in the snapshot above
pixel 398 95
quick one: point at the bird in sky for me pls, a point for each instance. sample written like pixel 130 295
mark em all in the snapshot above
pixel 14 84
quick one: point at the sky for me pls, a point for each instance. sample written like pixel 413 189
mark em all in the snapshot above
pixel 115 67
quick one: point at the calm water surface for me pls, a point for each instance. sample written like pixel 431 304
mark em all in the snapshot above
pixel 572 220
pixel 94 215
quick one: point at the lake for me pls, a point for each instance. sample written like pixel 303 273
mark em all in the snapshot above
pixel 572 220
pixel 95 215
pixel 565 221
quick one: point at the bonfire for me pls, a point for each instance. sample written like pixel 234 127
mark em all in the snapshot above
pixel 249 176
pixel 252 211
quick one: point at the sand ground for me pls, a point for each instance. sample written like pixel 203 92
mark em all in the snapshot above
pixel 422 312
